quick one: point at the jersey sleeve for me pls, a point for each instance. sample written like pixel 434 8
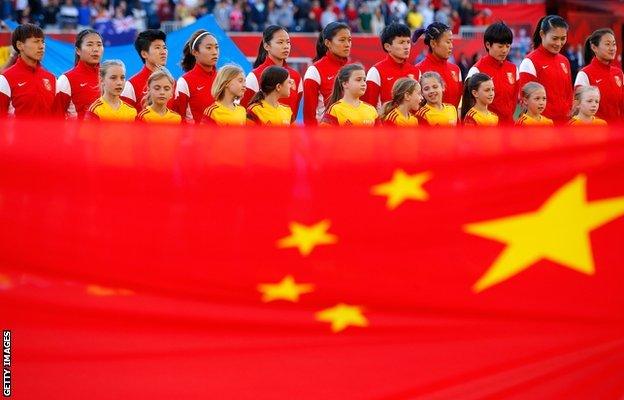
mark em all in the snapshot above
pixel 251 88
pixel 373 87
pixel 469 120
pixel 91 116
pixel 182 99
pixel 527 72
pixel 311 87
pixel 128 94
pixel 329 119
pixel 62 98
pixel 581 79
pixel 472 71
pixel 5 96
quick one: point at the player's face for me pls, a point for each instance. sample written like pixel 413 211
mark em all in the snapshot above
pixel 114 80
pixel 414 99
pixel 606 49
pixel 356 85
pixel 156 56
pixel 443 46
pixel 589 103
pixel 237 86
pixel 91 49
pixel 399 49
pixel 207 54
pixel 554 40
pixel 32 48
pixel 340 45
pixel 279 46
pixel 284 88
pixel 485 92
pixel 161 91
pixel 432 90
pixel 536 103
pixel 499 51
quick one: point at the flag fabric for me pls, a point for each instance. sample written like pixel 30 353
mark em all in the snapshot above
pixel 195 262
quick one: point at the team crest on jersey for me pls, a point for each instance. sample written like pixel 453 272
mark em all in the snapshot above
pixel 564 68
pixel 47 85
pixel 511 78
pixel 618 81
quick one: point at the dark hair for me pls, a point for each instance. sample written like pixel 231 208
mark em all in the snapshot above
pixel 594 38
pixel 24 32
pixel 432 32
pixel 328 33
pixel 343 76
pixel 270 78
pixel 546 24
pixel 80 37
pixel 267 36
pixel 144 40
pixel 394 30
pixel 188 59
pixel 498 32
pixel 472 83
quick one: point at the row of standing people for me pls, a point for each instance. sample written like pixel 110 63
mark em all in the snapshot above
pixel 74 92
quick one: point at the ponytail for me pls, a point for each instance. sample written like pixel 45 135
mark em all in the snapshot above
pixel 267 36
pixel 433 32
pixel 594 38
pixel 468 99
pixel 545 25
pixel 270 78
pixel 328 33
pixel 342 77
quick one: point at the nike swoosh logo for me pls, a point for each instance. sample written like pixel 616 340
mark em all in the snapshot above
pixel 389 79
pixel 83 84
pixel 200 87
pixel 21 84
pixel 545 66
pixel 330 78
pixel 598 80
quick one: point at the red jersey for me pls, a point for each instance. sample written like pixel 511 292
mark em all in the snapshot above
pixel 381 78
pixel 318 84
pixel 553 72
pixel 26 91
pixel 136 88
pixel 450 74
pixel 193 93
pixel 505 77
pixel 252 83
pixel 76 90
pixel 610 81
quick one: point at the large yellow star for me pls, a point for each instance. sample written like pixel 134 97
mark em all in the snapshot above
pixel 286 289
pixel 403 187
pixel 306 238
pixel 342 316
pixel 557 231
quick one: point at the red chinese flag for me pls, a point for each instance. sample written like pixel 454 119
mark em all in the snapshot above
pixel 193 262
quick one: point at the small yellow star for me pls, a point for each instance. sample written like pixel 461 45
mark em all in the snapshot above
pixel 96 290
pixel 306 238
pixel 342 316
pixel 557 231
pixel 403 187
pixel 286 289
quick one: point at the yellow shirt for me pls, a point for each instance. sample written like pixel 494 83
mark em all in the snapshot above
pixel 149 115
pixel 526 120
pixel 219 114
pixel 101 110
pixel 396 118
pixel 342 113
pixel 476 117
pixel 595 121
pixel 265 114
pixel 433 116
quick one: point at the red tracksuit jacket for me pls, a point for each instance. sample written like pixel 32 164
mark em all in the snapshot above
pixel 76 90
pixel 449 72
pixel 381 78
pixel 26 91
pixel 193 93
pixel 610 81
pixel 318 84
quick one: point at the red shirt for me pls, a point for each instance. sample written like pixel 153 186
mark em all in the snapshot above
pixel 26 90
pixel 553 72
pixel 505 77
pixel 252 83
pixel 76 90
pixel 450 74
pixel 193 93
pixel 610 81
pixel 318 84
pixel 381 78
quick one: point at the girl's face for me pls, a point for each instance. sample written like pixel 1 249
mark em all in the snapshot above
pixel 91 49
pixel 160 91
pixel 606 49
pixel 356 85
pixel 536 102
pixel 340 45
pixel 237 86
pixel 484 93
pixel 588 105
pixel 207 53
pixel 554 40
pixel 114 80
pixel 283 89
pixel 414 99
pixel 443 46
pixel 432 90
pixel 279 46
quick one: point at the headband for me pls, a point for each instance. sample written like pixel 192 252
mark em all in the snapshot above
pixel 199 37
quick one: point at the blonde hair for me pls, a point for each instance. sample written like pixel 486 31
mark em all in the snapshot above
pixel 156 75
pixel 106 65
pixel 400 88
pixel 578 96
pixel 527 90
pixel 434 75
pixel 226 74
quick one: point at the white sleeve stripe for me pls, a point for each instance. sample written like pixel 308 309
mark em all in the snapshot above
pixel 373 76
pixel 527 66
pixel 128 91
pixel 300 87
pixel 182 87
pixel 313 74
pixel 472 71
pixel 251 82
pixel 63 85
pixel 5 88
pixel 581 79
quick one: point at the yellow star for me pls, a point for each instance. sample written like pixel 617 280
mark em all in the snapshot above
pixel 403 187
pixel 342 316
pixel 557 231
pixel 287 289
pixel 306 238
